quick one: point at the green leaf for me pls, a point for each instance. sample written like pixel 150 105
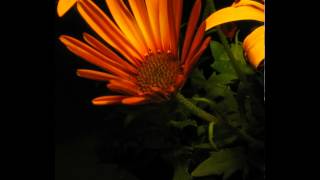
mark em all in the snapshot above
pixel 181 172
pixel 224 162
pixel 224 136
pixel 203 146
pixel 211 136
pixel 201 130
pixel 237 50
pixel 223 79
pixel 221 60
pixel 197 78
pixel 182 124
pixel 217 84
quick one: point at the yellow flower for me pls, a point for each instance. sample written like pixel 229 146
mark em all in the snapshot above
pixel 244 10
pixel 144 64
pixel 64 6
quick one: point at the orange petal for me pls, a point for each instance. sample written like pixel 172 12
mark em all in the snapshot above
pixel 134 100
pixel 140 12
pixel 106 29
pixel 177 10
pixel 91 55
pixel 158 94
pixel 108 52
pixel 231 14
pixel 172 26
pixel 193 19
pixel 189 64
pixel 179 81
pixel 153 12
pixel 196 43
pixel 164 25
pixel 254 46
pixel 64 6
pixel 108 100
pixel 95 75
pixel 125 87
pixel 127 23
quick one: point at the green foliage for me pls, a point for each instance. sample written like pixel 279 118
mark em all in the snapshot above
pixel 181 172
pixel 222 62
pixel 182 124
pixel 224 162
pixel 234 102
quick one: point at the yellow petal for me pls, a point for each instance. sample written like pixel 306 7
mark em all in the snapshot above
pixel 153 12
pixel 140 12
pixel 64 6
pixel 164 25
pixel 128 25
pixel 107 30
pixel 231 14
pixel 254 46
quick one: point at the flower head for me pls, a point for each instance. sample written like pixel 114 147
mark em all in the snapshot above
pixel 142 61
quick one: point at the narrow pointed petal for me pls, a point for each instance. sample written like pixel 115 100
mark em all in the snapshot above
pixel 172 26
pixel 193 19
pixel 254 47
pixel 108 100
pixel 108 52
pixel 153 12
pixel 124 87
pixel 91 55
pixel 95 75
pixel 134 100
pixel 177 10
pixel 127 23
pixel 190 63
pixel 196 43
pixel 231 14
pixel 164 25
pixel 106 29
pixel 64 6
pixel 140 12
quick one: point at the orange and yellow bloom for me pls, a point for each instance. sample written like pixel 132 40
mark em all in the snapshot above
pixel 142 61
pixel 253 44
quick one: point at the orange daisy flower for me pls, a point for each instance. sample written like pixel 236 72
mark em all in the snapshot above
pixel 144 64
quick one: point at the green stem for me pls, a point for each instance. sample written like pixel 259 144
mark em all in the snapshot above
pixel 223 38
pixel 196 110
pixel 211 118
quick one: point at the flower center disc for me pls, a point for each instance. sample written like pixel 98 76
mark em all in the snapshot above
pixel 158 71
